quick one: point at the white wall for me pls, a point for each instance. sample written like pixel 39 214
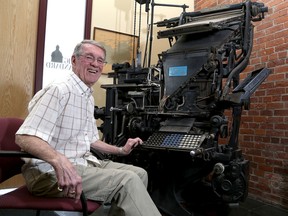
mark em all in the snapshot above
pixel 118 15
pixel 64 31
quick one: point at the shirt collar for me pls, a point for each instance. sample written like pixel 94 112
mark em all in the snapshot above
pixel 80 85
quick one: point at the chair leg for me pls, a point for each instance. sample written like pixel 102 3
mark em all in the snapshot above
pixel 37 212
pixel 84 204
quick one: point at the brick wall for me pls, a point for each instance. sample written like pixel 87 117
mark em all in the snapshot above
pixel 264 128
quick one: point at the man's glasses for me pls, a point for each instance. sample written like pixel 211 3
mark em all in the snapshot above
pixel 91 59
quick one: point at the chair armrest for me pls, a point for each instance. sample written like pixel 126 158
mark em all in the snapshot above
pixel 97 154
pixel 4 153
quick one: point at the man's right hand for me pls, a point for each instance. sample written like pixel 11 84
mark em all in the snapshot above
pixel 68 179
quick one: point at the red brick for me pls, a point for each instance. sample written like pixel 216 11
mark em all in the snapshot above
pixel 264 187
pixel 275 140
pixel 281 34
pixel 276 133
pixel 260 132
pixel 254 112
pixel 272 43
pixel 273 162
pixel 264 59
pixel 280 112
pixel 258 105
pixel 284 97
pixel 259 173
pixel 256 152
pixel 281 69
pixel 281 47
pixel 284 141
pixel 247 139
pixel 282 171
pixel 271 101
pixel 270 198
pixel 274 119
pixel 276 148
pixel 280 20
pixel 258 144
pixel 275 77
pixel 281 126
pixel 269 126
pixel 266 112
pixel 261 26
pixel 282 6
pixel 266 51
pixel 258 159
pixel 275 105
pixel 274 63
pixel 282 84
pixel 253 178
pixel 257 60
pixel 282 155
pixel 276 91
pixel 267 83
pixel 280 192
pixel 267 153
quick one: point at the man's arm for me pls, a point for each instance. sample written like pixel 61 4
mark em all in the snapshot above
pixel 67 176
pixel 112 149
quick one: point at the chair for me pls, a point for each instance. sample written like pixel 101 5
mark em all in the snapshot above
pixel 21 198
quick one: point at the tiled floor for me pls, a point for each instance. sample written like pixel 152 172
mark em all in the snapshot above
pixel 252 207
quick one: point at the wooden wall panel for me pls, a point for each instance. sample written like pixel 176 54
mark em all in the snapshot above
pixel 18 37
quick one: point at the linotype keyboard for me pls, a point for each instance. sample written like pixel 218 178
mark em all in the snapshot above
pixel 174 141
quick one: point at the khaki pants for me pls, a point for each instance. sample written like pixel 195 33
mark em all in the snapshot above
pixel 120 184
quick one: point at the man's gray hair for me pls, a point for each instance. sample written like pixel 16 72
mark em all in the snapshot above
pixel 78 47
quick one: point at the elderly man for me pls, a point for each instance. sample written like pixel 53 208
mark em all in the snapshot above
pixel 60 129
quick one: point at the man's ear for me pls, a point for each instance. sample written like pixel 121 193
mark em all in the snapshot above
pixel 73 59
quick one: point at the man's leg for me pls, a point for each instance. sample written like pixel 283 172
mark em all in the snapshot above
pixel 122 186
pixel 108 164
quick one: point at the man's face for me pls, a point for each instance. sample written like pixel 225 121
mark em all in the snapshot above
pixel 88 66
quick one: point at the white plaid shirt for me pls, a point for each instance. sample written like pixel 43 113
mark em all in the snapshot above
pixel 62 114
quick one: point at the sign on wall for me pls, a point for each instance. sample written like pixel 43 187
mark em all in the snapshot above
pixel 64 29
pixel 61 25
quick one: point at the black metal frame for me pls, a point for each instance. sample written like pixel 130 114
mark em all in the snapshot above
pixel 197 79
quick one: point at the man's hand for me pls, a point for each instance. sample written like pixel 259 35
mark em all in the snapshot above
pixel 68 179
pixel 130 144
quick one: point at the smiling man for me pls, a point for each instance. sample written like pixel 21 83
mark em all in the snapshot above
pixel 60 129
